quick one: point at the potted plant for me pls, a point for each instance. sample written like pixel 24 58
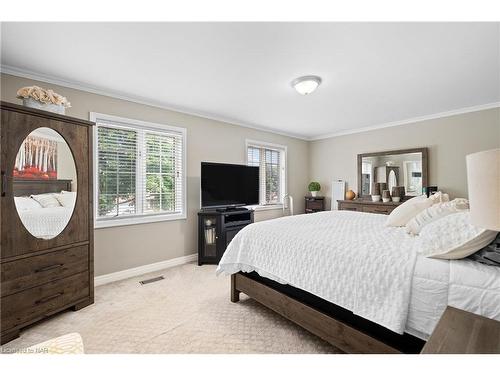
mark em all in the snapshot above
pixel 314 187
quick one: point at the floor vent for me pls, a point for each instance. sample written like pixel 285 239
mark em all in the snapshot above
pixel 149 281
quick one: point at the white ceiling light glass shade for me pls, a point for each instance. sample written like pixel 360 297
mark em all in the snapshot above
pixel 306 85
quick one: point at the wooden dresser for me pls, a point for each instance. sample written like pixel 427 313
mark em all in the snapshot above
pixel 364 205
pixel 41 276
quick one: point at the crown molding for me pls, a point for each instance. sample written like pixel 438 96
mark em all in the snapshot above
pixel 409 121
pixel 25 73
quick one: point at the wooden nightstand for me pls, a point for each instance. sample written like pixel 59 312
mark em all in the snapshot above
pixel 461 332
pixel 314 204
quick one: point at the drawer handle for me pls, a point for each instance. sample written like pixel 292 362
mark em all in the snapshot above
pixel 48 268
pixel 47 299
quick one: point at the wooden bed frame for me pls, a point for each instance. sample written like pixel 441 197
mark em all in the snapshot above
pixel 26 187
pixel 351 338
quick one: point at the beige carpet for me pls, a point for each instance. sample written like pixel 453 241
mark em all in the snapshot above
pixel 188 312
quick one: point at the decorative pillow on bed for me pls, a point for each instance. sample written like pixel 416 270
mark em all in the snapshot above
pixel 490 254
pixel 66 198
pixel 435 212
pixel 409 209
pixel 453 237
pixel 26 204
pixel 46 200
pixel 440 197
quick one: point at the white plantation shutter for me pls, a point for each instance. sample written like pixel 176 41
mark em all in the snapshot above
pixel 140 171
pixel 271 160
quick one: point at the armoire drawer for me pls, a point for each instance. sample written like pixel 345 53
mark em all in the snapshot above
pixel 34 303
pixel 36 270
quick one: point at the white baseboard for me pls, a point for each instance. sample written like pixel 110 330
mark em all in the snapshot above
pixel 131 272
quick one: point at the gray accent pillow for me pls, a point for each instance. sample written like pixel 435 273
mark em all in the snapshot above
pixel 490 254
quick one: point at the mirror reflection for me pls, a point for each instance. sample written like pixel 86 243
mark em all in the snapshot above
pixel 44 183
pixel 394 170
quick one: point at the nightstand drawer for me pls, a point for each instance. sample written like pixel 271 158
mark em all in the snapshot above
pixel 314 204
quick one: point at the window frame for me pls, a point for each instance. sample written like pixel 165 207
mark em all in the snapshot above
pixel 282 149
pixel 143 125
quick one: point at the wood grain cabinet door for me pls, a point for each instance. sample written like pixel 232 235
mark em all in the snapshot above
pixel 15 127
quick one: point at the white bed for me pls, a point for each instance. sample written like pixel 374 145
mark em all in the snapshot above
pixel 352 260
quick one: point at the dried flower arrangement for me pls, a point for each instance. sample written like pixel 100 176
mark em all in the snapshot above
pixel 43 96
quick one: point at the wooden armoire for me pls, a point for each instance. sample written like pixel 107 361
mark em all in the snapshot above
pixel 43 276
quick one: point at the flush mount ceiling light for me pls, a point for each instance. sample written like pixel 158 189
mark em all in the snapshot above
pixel 306 85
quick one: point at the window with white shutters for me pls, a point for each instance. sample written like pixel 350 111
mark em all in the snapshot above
pixel 139 171
pixel 271 159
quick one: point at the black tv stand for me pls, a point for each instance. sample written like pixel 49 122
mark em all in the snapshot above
pixel 217 228
pixel 231 209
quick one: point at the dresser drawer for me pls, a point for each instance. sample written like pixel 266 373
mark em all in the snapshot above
pixel 34 303
pixel 36 270
pixel 374 209
pixel 350 207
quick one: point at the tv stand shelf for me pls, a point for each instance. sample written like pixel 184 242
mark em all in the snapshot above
pixel 216 229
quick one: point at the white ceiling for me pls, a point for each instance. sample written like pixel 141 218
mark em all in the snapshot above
pixel 373 73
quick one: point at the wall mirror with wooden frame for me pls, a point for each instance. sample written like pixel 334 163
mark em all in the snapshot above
pixel 44 183
pixel 407 168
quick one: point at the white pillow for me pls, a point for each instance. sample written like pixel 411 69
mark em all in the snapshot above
pixel 435 212
pixel 26 204
pixel 453 237
pixel 66 198
pixel 407 210
pixel 439 197
pixel 47 200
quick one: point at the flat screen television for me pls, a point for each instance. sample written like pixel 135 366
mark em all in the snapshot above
pixel 228 185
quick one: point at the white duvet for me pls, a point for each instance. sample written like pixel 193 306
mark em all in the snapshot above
pixel 353 260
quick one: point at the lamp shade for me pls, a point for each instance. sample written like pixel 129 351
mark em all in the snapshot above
pixel 483 180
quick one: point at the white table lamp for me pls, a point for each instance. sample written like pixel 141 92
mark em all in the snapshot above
pixel 483 180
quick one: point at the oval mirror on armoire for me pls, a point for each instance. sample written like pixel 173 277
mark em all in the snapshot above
pixel 44 183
